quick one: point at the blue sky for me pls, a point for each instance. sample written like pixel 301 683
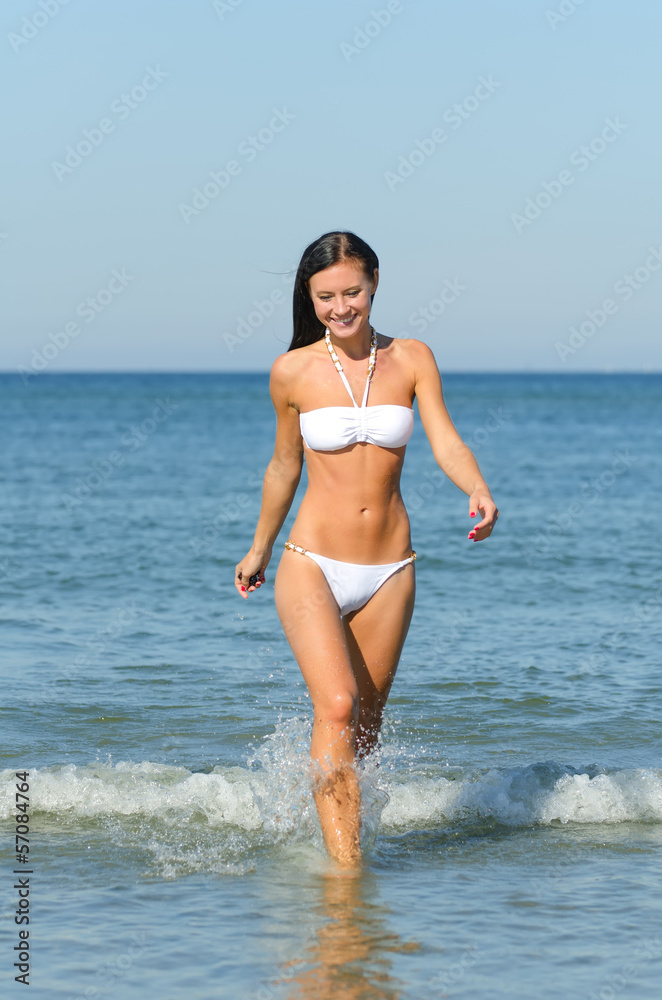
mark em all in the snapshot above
pixel 502 158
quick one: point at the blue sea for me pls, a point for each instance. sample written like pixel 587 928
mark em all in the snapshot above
pixel 513 815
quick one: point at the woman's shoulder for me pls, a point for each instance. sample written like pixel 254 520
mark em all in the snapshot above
pixel 409 351
pixel 410 346
pixel 287 367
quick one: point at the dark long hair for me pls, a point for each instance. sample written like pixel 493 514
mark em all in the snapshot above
pixel 327 250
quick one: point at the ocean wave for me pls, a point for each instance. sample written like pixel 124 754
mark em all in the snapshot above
pixel 274 794
pixel 537 794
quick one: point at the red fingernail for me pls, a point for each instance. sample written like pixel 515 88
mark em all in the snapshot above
pixel 472 514
pixel 243 588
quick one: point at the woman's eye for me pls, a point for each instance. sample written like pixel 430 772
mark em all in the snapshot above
pixel 325 298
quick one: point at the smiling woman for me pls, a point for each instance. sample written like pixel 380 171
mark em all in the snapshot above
pixel 345 583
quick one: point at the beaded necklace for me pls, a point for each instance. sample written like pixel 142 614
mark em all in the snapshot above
pixel 371 359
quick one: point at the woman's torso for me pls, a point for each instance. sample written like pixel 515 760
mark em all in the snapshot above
pixel 353 509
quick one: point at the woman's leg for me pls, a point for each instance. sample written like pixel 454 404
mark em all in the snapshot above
pixel 375 635
pixel 309 615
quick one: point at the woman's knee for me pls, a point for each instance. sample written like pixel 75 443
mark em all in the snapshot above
pixel 341 708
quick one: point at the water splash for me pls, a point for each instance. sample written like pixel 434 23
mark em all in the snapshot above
pixel 228 819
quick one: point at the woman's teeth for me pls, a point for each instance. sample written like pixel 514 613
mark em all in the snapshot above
pixel 344 322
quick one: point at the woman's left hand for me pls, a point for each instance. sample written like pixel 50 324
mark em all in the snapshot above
pixel 481 501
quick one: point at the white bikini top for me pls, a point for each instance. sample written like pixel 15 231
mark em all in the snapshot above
pixel 330 428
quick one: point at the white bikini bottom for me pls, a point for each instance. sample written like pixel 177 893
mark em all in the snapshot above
pixel 352 584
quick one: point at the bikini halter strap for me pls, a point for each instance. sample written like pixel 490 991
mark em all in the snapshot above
pixel 371 365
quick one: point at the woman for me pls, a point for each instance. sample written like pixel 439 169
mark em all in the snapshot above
pixel 345 583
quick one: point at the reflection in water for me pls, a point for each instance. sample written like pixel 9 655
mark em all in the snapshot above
pixel 349 953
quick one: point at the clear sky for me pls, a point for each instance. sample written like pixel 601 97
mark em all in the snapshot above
pixel 502 158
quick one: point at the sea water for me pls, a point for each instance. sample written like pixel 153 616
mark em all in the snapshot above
pixel 513 815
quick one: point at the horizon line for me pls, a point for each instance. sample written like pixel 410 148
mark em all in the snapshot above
pixel 265 371
pixel 443 372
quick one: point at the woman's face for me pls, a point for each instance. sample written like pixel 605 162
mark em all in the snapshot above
pixel 342 297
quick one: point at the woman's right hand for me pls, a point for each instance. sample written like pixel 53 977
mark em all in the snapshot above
pixel 251 565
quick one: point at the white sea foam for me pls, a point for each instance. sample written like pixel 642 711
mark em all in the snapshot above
pixel 525 797
pixel 138 789
pixel 275 795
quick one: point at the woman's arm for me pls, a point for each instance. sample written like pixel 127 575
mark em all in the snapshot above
pixel 451 453
pixel 281 477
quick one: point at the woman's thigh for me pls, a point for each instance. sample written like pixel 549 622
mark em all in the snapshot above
pixel 309 616
pixel 376 633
